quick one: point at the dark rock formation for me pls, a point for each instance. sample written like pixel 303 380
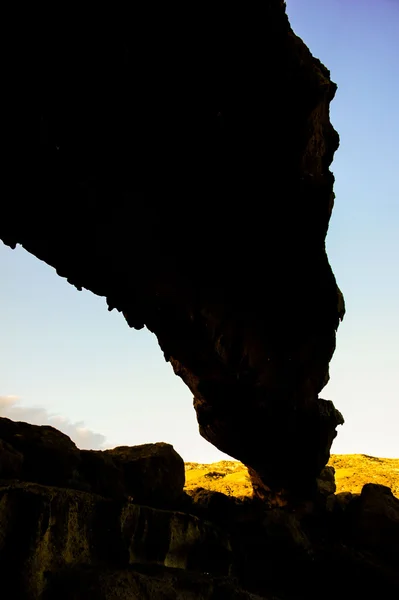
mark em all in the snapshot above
pixel 11 461
pixel 182 172
pixel 44 530
pixel 64 543
pixel 174 539
pixel 326 481
pixel 212 505
pixel 101 475
pixel 375 521
pixel 47 456
pixel 153 473
pixel 338 503
pixel 142 584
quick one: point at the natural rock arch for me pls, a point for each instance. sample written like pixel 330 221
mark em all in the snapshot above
pixel 186 178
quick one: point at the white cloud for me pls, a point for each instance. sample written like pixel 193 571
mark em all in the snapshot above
pixel 82 436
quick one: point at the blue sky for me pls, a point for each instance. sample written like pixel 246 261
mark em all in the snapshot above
pixel 65 360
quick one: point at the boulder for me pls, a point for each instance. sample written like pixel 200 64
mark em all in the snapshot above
pixel 272 553
pixel 150 474
pixel 214 506
pixel 153 474
pixel 376 521
pixel 49 456
pixel 101 475
pixel 326 482
pixel 284 531
pixel 339 503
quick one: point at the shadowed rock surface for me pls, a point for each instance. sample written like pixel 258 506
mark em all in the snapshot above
pixel 376 524
pixel 46 455
pixel 183 174
pixel 62 542
pixel 153 473
pixel 46 529
pixel 143 584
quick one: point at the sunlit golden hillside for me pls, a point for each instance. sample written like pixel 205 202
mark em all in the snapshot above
pixel 352 471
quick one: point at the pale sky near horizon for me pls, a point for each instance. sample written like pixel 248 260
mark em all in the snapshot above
pixel 67 361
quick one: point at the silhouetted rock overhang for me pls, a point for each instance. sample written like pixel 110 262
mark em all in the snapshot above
pixel 182 171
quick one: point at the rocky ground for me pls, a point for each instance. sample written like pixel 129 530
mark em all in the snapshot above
pixel 352 472
pixel 123 525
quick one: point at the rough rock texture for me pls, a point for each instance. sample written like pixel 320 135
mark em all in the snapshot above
pixel 376 521
pixel 44 529
pixel 174 539
pixel 62 543
pixel 182 172
pixel 151 474
pixel 101 475
pixel 11 461
pixel 143 584
pixel 326 481
pixel 46 455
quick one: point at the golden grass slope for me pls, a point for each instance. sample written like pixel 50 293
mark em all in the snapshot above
pixel 352 471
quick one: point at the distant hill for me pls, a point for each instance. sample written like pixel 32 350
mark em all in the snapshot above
pixel 352 471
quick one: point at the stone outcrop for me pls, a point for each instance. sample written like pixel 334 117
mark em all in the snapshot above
pixel 183 174
pixel 10 461
pixel 99 474
pixel 63 510
pixel 45 530
pixel 174 539
pixel 81 539
pixel 375 521
pixel 151 474
pixel 143 584
pixel 45 455
pixel 326 482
